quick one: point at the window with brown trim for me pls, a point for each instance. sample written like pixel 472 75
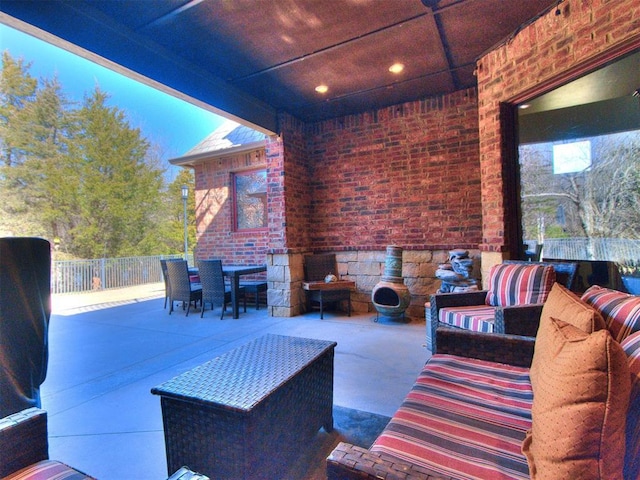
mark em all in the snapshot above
pixel 250 200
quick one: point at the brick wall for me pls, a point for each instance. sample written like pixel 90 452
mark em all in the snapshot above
pixel 550 50
pixel 215 235
pixel 406 175
pixel 298 220
pixel 289 200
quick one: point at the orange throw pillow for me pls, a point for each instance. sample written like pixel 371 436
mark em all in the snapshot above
pixel 579 407
pixel 564 305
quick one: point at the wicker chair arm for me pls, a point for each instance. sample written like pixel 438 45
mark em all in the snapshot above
pixel 462 299
pixel 518 319
pixel 23 440
pixel 351 462
pixel 443 300
pixel 494 347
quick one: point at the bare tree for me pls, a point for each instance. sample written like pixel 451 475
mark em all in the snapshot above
pixel 598 199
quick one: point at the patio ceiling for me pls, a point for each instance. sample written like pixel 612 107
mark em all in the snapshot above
pixel 250 59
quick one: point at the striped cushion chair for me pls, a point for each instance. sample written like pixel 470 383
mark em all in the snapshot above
pixel 24 449
pixel 512 304
pixel 621 311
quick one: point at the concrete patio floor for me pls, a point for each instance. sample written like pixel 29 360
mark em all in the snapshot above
pixel 108 349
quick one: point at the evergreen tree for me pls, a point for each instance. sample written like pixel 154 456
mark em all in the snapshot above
pixel 118 190
pixel 30 119
pixel 79 175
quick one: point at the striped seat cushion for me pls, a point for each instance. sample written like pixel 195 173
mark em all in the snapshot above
pixel 479 318
pixel 621 311
pixel 48 470
pixel 517 284
pixel 464 418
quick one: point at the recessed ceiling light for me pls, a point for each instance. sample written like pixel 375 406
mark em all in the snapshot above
pixel 322 89
pixel 524 106
pixel 396 68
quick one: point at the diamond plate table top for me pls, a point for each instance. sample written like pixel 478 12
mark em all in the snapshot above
pixel 243 377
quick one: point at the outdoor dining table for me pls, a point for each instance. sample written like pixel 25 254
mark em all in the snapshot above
pixel 234 272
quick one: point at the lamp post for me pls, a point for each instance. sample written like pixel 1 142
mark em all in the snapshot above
pixel 185 195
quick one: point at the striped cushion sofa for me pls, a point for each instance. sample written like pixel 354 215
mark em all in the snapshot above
pixel 24 449
pixel 496 406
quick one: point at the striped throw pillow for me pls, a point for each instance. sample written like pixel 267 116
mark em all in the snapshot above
pixel 621 311
pixel 631 346
pixel 515 284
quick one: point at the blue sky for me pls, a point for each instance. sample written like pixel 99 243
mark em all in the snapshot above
pixel 173 124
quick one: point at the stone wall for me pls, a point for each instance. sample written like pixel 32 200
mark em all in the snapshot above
pixel 365 268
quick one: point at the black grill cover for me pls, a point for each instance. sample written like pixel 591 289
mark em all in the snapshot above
pixel 25 308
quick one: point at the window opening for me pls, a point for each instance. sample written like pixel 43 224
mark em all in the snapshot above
pixel 250 200
pixel 579 168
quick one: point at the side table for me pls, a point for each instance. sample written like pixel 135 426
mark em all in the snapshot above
pixel 246 413
pixel 326 292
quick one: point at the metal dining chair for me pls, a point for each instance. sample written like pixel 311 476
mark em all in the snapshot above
pixel 255 288
pixel 214 289
pixel 165 278
pixel 181 288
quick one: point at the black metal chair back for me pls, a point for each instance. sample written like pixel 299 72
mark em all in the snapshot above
pixel 165 277
pixel 214 290
pixel 182 290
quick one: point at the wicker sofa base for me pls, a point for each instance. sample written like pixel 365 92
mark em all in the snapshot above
pixel 351 462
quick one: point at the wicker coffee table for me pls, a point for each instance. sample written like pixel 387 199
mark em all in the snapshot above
pixel 245 414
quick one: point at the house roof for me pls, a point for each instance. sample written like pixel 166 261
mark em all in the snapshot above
pixel 230 137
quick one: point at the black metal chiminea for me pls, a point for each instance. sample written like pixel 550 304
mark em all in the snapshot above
pixel 390 296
